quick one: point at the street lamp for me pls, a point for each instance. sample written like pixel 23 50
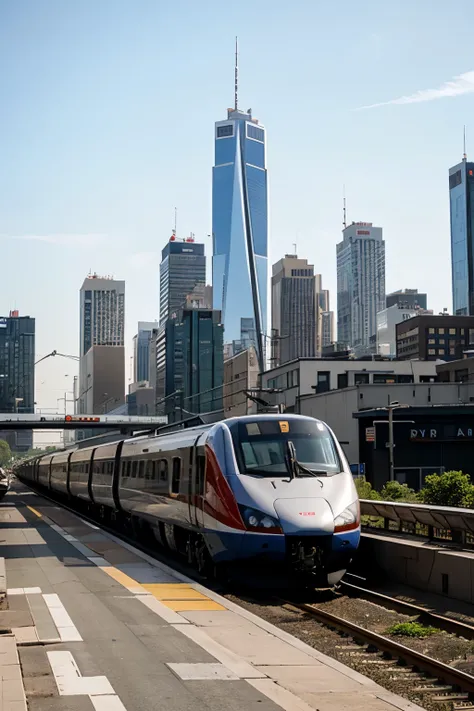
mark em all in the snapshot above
pixel 394 405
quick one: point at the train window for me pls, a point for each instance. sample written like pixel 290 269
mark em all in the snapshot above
pixel 176 475
pixel 123 470
pixel 134 470
pixel 149 469
pixel 200 472
pixel 163 470
pixel 141 469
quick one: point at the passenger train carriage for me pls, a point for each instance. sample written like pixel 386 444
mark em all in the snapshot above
pixel 265 488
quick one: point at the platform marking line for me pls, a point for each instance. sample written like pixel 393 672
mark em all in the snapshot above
pixel 70 682
pixel 23 591
pixel 182 597
pixel 67 630
pixel 37 513
pixel 202 672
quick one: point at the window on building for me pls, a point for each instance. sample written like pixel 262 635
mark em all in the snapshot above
pixel 441 331
pixel 441 351
pixel 431 330
pixel 256 133
pixel 432 351
pixel 452 331
pixel 176 475
pixel 431 341
pixel 471 336
pixel 386 378
pixel 361 378
pixel 323 381
pixel 405 378
pixel 452 351
pixel 441 341
pixel 225 131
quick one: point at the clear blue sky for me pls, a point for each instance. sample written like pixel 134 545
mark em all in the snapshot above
pixel 107 124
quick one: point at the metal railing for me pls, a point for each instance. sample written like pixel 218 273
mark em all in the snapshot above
pixel 434 522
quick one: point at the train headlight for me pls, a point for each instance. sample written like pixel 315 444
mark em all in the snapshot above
pixel 349 519
pixel 259 522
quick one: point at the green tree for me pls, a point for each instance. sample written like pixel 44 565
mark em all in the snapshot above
pixel 452 488
pixel 364 489
pixel 5 453
pixel 394 491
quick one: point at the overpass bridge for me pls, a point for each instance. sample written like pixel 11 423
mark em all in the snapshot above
pixel 124 424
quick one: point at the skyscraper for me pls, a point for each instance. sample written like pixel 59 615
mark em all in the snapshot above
pixel 182 270
pixel 240 227
pixel 194 362
pixel 461 202
pixel 360 284
pixel 183 266
pixel 141 350
pixel 298 304
pixel 406 299
pixel 17 381
pixel 102 352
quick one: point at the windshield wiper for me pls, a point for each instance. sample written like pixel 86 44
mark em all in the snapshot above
pixel 295 467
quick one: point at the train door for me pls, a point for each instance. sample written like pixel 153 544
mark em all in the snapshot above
pixel 197 467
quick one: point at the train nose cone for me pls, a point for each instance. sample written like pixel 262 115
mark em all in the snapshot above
pixel 311 516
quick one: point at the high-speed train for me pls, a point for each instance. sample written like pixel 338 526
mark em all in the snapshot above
pixel 263 488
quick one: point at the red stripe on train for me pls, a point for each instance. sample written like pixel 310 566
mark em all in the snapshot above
pixel 219 500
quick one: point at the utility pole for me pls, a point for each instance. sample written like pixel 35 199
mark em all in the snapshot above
pixel 390 441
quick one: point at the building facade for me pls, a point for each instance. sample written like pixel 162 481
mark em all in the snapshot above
pixel 387 320
pixel 194 363
pixel 461 203
pixel 240 228
pixel 428 337
pixel 360 284
pixel 240 375
pixel 298 304
pixel 102 328
pixel 183 266
pixel 17 374
pixel 141 350
pixel 407 299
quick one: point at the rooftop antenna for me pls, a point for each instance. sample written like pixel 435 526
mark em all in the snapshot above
pixel 175 218
pixel 464 157
pixel 236 81
pixel 294 245
pixel 344 222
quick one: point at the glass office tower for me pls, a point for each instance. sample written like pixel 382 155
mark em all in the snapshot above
pixel 240 228
pixel 461 196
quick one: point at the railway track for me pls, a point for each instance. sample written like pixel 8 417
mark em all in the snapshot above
pixel 425 616
pixel 418 673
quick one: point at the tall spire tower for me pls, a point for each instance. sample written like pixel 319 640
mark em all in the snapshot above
pixel 240 227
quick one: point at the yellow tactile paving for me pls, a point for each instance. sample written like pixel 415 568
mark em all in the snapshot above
pixel 37 513
pixel 192 605
pixel 174 592
pixel 120 577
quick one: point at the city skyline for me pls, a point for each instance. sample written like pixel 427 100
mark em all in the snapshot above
pixel 106 180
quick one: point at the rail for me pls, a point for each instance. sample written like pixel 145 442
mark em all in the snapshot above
pixel 441 522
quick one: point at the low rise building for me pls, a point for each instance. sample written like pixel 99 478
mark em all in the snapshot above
pixel 428 337
pixel 307 376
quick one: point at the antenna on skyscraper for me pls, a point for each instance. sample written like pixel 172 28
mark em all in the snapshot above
pixel 236 81
pixel 464 157
pixel 344 222
pixel 175 218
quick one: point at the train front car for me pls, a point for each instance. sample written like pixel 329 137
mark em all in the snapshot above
pixel 294 492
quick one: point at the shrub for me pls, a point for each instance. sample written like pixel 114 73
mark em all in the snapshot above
pixel 364 489
pixel 452 488
pixel 394 491
pixel 411 629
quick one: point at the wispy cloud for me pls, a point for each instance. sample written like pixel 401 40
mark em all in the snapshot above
pixel 65 240
pixel 462 84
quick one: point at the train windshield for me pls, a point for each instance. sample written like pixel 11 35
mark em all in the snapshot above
pixel 262 447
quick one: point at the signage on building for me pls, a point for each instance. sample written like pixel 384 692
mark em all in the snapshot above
pixel 3 322
pixel 370 434
pixel 357 469
pixel 364 224
pixel 363 232
pixel 442 433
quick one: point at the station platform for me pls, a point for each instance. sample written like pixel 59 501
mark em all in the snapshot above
pixel 90 623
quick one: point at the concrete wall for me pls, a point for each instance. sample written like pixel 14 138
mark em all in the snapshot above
pixel 420 564
pixel 240 373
